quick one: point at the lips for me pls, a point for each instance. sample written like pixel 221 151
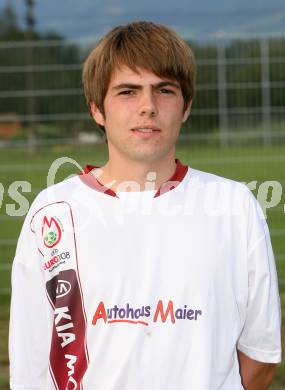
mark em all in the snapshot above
pixel 146 129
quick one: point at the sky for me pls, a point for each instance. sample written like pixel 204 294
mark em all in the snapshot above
pixel 90 19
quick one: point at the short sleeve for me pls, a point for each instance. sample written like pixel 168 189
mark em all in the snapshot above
pixel 260 338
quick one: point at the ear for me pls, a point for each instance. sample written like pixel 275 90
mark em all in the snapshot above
pixel 96 114
pixel 187 111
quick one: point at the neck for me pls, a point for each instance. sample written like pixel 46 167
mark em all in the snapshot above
pixel 146 175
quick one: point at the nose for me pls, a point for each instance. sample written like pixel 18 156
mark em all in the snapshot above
pixel 148 106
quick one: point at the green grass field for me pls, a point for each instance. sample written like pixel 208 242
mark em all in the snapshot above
pixel 242 164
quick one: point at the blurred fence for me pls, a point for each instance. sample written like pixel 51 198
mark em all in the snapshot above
pixel 240 92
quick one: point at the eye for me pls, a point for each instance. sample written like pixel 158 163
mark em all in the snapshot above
pixel 166 91
pixel 127 92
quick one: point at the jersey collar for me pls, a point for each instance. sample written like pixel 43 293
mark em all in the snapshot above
pixel 89 179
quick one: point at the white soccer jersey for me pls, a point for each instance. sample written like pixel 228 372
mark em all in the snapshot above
pixel 145 290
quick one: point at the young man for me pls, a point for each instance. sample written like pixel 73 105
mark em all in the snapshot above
pixel 143 273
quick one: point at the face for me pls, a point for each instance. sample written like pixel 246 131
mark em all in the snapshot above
pixel 143 115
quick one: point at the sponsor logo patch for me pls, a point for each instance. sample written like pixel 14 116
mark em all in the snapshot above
pixel 56 260
pixel 143 315
pixel 63 288
pixel 68 356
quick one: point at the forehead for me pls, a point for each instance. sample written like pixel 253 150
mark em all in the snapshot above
pixel 124 74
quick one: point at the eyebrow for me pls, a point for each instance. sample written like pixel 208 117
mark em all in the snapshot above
pixel 138 86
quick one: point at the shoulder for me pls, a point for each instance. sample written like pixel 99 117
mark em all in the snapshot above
pixel 219 193
pixel 209 182
pixel 63 191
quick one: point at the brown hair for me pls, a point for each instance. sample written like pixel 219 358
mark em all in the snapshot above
pixel 141 44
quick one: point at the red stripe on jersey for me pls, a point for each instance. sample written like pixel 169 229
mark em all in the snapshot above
pixel 68 351
pixel 175 180
pixel 89 179
pixel 68 360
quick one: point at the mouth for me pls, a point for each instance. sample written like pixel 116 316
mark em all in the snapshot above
pixel 146 130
